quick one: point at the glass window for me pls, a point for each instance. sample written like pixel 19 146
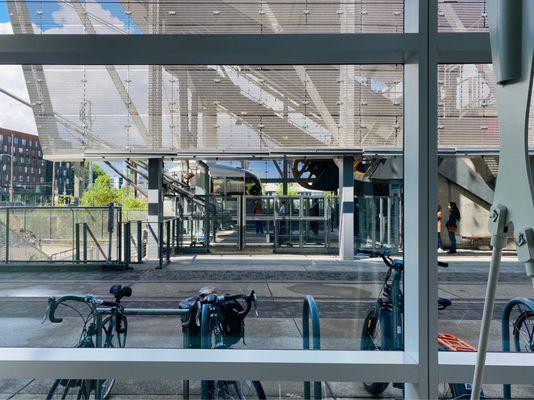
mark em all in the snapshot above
pixel 16 140
pixel 23 142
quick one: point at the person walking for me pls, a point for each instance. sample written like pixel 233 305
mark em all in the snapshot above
pixel 258 211
pixel 452 225
pixel 440 227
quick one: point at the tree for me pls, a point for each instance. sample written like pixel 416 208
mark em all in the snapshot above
pixel 101 194
pixel 291 190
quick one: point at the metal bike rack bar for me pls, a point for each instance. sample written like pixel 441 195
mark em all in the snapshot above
pixel 181 312
pixel 310 310
pixel 205 343
pixel 505 330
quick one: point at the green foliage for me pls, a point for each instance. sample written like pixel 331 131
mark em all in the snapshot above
pixel 101 194
pixel 97 170
pixel 291 190
pixel 129 202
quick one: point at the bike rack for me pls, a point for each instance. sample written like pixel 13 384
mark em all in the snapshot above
pixel 505 328
pixel 310 310
pixel 183 313
pixel 205 343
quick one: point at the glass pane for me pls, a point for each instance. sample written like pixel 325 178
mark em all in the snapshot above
pixel 463 16
pixel 203 17
pixel 209 108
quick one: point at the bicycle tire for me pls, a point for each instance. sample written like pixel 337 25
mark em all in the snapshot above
pixel 519 323
pixel 60 388
pixel 369 343
pixel 233 390
pixel 118 340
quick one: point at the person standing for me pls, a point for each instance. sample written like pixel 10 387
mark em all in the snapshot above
pixel 282 212
pixel 440 227
pixel 452 225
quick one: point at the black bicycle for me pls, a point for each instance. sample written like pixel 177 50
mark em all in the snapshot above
pixel 218 321
pixel 383 326
pixel 104 325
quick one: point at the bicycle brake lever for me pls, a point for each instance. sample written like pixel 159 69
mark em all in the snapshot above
pixel 47 312
pixel 199 312
pixel 255 304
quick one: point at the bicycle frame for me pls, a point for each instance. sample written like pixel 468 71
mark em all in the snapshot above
pixel 391 299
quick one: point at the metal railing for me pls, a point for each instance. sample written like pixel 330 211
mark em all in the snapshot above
pixel 311 311
pixel 60 234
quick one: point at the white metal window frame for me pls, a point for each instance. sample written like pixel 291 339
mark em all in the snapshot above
pixel 421 48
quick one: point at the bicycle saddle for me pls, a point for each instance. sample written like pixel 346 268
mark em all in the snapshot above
pixel 443 303
pixel 120 291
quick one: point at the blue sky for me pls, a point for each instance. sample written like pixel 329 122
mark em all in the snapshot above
pixel 4 16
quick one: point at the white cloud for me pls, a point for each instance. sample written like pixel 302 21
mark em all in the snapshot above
pixel 17 116
pixel 13 114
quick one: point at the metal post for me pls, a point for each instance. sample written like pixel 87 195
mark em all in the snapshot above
pixel 284 176
pixel 389 220
pixel 155 206
pixel 207 212
pixel 310 310
pixel 111 223
pixel 168 235
pixel 420 191
pixel 127 243
pixel 85 229
pixel 139 242
pixel 7 235
pixel 77 236
pixel 346 208
pixel 160 245
pixel 119 235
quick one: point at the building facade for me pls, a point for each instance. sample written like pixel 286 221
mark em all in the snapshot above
pixel 25 174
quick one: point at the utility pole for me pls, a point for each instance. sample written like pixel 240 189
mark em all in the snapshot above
pixel 11 187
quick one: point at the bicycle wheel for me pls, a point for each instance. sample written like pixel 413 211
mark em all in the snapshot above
pixel 61 388
pixel 114 337
pixel 239 390
pixel 524 332
pixel 375 334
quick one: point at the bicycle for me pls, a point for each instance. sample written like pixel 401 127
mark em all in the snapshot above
pixel 114 328
pixel 383 325
pixel 217 321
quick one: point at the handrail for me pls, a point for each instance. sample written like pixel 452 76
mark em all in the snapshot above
pixel 505 330
pixel 310 310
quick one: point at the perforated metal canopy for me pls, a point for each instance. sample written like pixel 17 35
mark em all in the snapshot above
pixel 84 111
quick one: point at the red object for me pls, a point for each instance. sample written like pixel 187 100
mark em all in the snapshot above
pixel 454 343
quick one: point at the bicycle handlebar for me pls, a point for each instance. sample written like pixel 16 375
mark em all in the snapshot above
pixel 90 300
pixel 53 303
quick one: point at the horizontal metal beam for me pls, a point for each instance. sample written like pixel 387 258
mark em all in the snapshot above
pixel 266 154
pixel 464 48
pixel 282 49
pixel 512 368
pixel 269 365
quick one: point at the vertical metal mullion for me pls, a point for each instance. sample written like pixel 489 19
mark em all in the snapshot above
pixel 139 242
pixel 420 158
pixel 7 235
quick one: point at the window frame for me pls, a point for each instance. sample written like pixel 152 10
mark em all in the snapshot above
pixel 420 48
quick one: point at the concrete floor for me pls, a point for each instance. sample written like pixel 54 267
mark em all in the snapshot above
pixel 344 292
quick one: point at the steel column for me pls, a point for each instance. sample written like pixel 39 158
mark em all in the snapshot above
pixel 155 206
pixel 346 208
